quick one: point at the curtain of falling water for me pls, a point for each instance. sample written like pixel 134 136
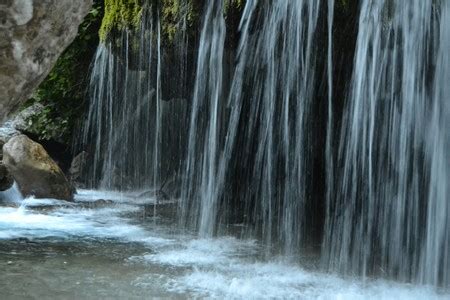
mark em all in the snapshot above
pixel 280 68
pixel 200 188
pixel 129 125
pixel 435 259
pixel 123 99
pixel 273 84
pixel 387 209
pixel 390 206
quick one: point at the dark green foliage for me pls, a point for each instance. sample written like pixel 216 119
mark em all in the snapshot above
pixel 63 91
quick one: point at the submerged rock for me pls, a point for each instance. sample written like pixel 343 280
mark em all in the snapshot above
pixel 77 171
pixel 34 171
pixel 33 35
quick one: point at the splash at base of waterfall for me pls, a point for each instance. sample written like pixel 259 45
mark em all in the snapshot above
pixel 52 249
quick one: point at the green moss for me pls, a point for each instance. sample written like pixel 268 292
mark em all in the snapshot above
pixel 120 14
pixel 233 3
pixel 174 10
pixel 171 13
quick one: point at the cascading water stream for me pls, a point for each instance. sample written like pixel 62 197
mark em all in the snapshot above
pixel 272 144
pixel 130 128
pixel 329 156
pixel 242 146
pixel 435 258
pixel 11 195
pixel 200 184
pixel 390 205
pixel 274 116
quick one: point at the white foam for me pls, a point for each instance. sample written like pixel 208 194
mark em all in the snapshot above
pixel 203 252
pixel 156 242
pixel 33 202
pixel 278 281
pixel 67 222
pixel 117 197
pixel 220 268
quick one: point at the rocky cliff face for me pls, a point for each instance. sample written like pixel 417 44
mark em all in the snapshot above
pixel 33 33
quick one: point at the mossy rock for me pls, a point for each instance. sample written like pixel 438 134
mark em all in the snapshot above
pixel 127 14
pixel 119 15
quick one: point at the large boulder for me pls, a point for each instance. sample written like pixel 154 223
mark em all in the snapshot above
pixel 33 34
pixel 34 171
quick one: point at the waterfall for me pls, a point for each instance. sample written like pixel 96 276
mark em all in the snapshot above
pixel 390 205
pixel 131 129
pixel 279 66
pixel 272 118
pixel 260 144
pixel 435 259
pixel 200 185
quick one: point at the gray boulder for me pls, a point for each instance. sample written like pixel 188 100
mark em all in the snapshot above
pixel 33 34
pixel 34 171
pixel 6 133
pixel 17 124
